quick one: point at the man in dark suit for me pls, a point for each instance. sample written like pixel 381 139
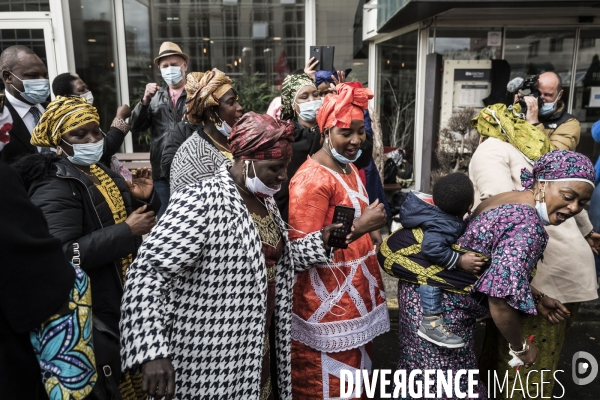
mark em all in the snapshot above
pixel 26 79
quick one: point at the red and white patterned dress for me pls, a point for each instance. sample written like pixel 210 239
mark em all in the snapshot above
pixel 339 308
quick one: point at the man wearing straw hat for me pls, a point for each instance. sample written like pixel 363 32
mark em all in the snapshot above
pixel 161 109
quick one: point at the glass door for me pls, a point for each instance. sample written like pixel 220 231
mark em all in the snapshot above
pixel 35 34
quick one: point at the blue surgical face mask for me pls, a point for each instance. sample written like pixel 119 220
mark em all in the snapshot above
pixel 225 129
pixel 340 158
pixel 308 110
pixel 36 90
pixel 547 108
pixel 172 74
pixel 87 153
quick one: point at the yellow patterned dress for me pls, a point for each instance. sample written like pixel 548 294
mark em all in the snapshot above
pixel 130 385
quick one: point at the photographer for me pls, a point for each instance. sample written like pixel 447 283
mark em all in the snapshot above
pixel 552 118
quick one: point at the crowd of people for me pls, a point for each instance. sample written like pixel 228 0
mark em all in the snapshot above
pixel 211 275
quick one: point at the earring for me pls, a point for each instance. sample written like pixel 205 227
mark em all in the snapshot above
pixel 59 150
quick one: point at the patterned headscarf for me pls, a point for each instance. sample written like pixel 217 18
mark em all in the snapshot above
pixel 289 89
pixel 325 76
pixel 348 104
pixel 62 115
pixel 559 165
pixel 261 137
pixel 204 89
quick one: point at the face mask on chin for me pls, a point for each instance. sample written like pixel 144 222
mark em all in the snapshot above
pixel 256 186
pixel 340 158
pixel 224 129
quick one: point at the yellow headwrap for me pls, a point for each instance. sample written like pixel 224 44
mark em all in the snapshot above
pixel 204 89
pixel 62 115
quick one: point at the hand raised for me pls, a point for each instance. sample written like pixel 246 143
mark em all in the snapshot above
pixel 141 185
pixel 310 68
pixel 123 112
pixel 151 90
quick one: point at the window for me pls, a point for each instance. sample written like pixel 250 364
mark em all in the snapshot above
pixel 397 72
pixel 556 44
pixel 241 38
pixel 94 43
pixel 534 48
pixel 464 43
pixel 24 5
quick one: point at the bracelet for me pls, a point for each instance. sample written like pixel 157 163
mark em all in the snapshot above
pixel 524 350
pixel 538 298
pixel 589 234
pixel 120 124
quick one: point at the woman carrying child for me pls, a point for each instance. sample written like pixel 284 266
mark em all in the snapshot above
pixel 509 230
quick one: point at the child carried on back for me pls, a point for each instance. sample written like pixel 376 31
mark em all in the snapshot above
pixel 442 224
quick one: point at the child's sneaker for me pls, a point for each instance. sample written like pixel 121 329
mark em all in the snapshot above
pixel 433 330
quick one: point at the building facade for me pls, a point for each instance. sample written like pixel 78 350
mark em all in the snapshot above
pixel 111 45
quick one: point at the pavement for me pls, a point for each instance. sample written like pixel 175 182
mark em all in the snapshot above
pixel 583 336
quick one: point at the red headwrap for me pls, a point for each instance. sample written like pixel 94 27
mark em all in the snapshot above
pixel 261 137
pixel 340 109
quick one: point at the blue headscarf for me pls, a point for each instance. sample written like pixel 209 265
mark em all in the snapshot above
pixel 325 76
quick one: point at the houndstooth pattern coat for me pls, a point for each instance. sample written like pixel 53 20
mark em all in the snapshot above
pixel 196 294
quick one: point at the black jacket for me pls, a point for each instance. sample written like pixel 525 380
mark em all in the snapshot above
pixel 161 118
pixel 77 212
pixel 36 281
pixel 182 131
pixel 20 138
pixel 440 230
pixel 112 143
pixel 307 141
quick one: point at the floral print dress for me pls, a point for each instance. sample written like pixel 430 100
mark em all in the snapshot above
pixel 513 237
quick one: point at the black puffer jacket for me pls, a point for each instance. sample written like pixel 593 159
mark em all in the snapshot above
pixel 160 116
pixel 77 213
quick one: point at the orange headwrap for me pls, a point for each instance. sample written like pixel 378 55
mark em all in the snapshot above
pixel 340 109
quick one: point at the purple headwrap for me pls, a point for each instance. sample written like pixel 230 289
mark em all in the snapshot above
pixel 325 76
pixel 559 165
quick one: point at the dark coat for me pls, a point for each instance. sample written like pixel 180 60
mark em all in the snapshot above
pixel 77 212
pixel 440 230
pixel 182 131
pixel 161 118
pixel 20 138
pixel 112 143
pixel 36 281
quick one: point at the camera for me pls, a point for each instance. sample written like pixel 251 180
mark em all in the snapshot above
pixel 525 87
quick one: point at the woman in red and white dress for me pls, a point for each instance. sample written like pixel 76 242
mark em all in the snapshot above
pixel 338 308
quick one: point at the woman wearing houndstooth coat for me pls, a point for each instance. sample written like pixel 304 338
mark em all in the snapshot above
pixel 198 299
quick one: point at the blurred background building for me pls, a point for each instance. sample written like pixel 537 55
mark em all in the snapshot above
pixel 111 45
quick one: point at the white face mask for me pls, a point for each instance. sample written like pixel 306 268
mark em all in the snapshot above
pixel 88 97
pixel 542 212
pixel 172 74
pixel 256 186
pixel 308 110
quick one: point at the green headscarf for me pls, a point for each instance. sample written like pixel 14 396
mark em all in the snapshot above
pixel 290 87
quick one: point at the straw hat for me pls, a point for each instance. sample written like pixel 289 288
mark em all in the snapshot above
pixel 170 49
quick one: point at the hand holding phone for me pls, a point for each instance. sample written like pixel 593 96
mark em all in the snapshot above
pixel 345 216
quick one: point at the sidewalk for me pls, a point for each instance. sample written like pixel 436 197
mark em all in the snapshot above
pixel 583 336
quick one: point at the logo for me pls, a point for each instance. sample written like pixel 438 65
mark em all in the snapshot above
pixel 581 368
